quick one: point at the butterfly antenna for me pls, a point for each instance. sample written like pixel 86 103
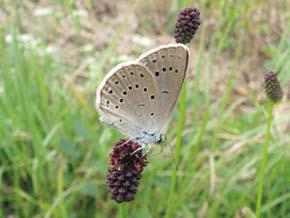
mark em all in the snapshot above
pixel 172 154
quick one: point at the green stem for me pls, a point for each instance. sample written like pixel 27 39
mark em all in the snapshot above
pixel 123 210
pixel 265 159
pixel 181 116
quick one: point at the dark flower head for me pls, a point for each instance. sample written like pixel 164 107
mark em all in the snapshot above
pixel 272 86
pixel 125 167
pixel 186 25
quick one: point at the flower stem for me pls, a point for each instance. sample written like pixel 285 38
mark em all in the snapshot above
pixel 265 158
pixel 124 210
pixel 181 116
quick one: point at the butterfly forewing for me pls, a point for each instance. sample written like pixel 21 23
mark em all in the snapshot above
pixel 168 65
pixel 128 99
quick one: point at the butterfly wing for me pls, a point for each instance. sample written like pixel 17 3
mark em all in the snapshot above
pixel 128 99
pixel 168 64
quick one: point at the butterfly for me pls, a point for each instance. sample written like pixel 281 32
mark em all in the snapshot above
pixel 137 97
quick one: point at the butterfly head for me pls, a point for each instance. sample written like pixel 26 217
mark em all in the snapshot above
pixel 161 139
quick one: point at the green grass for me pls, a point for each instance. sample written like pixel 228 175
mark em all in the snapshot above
pixel 265 158
pixel 54 151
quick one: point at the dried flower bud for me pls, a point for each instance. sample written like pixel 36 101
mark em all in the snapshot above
pixel 125 167
pixel 272 86
pixel 186 25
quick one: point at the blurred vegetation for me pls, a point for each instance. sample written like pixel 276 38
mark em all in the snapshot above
pixel 54 151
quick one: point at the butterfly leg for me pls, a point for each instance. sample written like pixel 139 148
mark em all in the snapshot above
pixel 146 152
pixel 142 146
pixel 149 146
pixel 124 143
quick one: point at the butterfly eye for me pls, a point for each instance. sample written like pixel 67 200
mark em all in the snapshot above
pixel 111 91
pixel 152 114
pixel 145 89
pixel 130 87
pixel 156 73
pixel 152 97
pixel 116 82
pixel 124 93
pixel 121 100
pixel 170 68
pixel 142 75
pixel 154 61
pixel 136 86
pixel 164 69
pixel 176 71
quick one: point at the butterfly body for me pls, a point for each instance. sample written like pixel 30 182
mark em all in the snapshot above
pixel 138 97
pixel 150 138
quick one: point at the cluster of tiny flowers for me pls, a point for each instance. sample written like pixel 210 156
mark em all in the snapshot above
pixel 187 23
pixel 125 167
pixel 272 86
